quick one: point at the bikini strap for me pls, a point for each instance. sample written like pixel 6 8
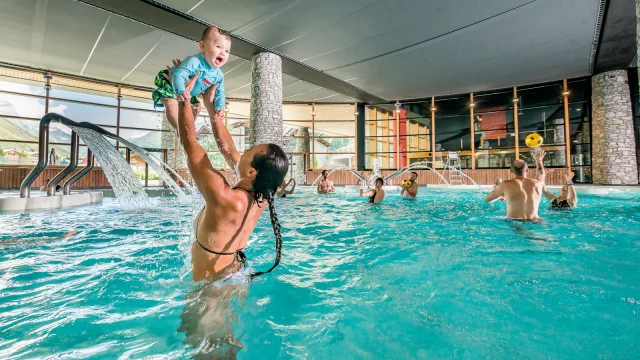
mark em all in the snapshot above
pixel 240 256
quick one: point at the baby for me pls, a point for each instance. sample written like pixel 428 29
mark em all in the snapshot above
pixel 215 47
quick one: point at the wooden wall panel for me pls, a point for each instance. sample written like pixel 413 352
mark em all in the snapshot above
pixel 11 176
pixel 481 176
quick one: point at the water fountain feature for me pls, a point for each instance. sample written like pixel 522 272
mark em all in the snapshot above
pixel 121 177
pixel 160 168
pixel 124 182
pixel 422 165
pixel 463 175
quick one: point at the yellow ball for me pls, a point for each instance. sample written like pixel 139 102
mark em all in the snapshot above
pixel 406 183
pixel 533 140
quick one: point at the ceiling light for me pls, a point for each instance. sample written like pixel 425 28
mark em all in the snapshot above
pixel 313 113
pixel 472 104
pixel 516 100
pixel 565 93
pixel 578 109
pixel 433 109
pixel 355 113
pixel 397 104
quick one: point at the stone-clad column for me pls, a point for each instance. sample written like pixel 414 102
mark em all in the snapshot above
pixel 266 99
pixel 303 145
pixel 613 147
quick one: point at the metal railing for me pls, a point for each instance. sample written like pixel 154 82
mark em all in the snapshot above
pixel 43 155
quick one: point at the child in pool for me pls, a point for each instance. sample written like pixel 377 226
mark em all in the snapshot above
pixel 215 47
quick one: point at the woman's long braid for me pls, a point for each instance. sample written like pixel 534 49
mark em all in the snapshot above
pixel 276 231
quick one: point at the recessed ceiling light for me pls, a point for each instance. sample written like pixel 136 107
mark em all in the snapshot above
pixel 433 109
pixel 578 109
pixel 565 93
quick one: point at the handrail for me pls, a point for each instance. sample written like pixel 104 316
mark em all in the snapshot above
pixel 43 147
pixel 72 180
pixel 43 157
pixel 73 163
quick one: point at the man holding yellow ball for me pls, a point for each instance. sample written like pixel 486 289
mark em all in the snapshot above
pixel 410 186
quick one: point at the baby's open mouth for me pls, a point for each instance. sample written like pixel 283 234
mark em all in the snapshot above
pixel 219 60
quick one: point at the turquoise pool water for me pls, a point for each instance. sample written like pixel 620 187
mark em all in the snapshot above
pixel 442 276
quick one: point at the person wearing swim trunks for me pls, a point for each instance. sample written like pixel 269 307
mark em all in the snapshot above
pixel 282 190
pixel 215 47
pixel 411 191
pixel 375 195
pixel 568 198
pixel 325 186
pixel 521 194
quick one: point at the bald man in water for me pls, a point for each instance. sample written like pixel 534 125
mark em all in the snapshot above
pixel 521 194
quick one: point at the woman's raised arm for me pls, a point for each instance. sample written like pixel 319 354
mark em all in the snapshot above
pixel 209 181
pixel 220 131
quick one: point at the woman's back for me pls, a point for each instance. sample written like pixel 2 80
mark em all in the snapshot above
pixel 223 228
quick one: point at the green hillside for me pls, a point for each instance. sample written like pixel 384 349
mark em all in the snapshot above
pixel 11 131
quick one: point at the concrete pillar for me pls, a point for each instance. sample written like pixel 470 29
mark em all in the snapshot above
pixel 167 142
pixel 613 148
pixel 266 100
pixel 303 145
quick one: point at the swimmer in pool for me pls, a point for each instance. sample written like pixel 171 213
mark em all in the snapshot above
pixel 282 190
pixel 222 228
pixel 412 191
pixel 521 194
pixel 230 214
pixel 375 195
pixel 325 186
pixel 568 198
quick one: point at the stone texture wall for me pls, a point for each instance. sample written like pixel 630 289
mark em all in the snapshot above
pixel 637 33
pixel 167 142
pixel 613 147
pixel 303 145
pixel 266 100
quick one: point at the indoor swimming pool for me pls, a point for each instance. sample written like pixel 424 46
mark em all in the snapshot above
pixel 441 276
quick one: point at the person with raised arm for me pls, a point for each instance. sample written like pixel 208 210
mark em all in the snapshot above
pixel 522 194
pixel 568 198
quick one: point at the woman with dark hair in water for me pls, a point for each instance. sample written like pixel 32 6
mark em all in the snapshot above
pixel 222 228
pixel 375 195
pixel 224 225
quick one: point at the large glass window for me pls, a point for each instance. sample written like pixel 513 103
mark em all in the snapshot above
pixel 494 129
pixel 453 130
pixel 332 136
pixel 580 130
pixel 380 137
pixel 541 111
